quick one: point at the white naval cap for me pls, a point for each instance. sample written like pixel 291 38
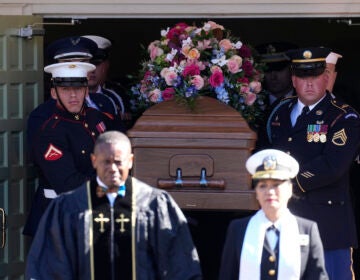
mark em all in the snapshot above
pixel 272 164
pixel 333 58
pixel 102 43
pixel 69 69
pixel 70 74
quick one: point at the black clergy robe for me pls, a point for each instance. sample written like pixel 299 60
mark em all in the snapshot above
pixel 143 236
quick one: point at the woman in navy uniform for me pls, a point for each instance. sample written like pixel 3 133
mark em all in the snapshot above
pixel 273 243
pixel 323 134
pixel 61 148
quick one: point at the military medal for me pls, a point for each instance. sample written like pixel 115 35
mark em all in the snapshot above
pixel 316 137
pixel 322 138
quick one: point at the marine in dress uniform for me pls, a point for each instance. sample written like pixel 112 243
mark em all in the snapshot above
pixel 324 139
pixel 273 243
pixel 113 227
pixel 62 146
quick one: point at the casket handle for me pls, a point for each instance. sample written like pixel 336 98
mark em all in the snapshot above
pixel 181 182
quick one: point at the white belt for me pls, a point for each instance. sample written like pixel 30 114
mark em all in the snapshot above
pixel 49 193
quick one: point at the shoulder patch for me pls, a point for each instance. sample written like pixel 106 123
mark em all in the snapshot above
pixel 351 115
pixel 53 153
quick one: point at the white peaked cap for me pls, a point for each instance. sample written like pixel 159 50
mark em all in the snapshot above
pixel 272 164
pixel 70 69
pixel 101 42
pixel 333 57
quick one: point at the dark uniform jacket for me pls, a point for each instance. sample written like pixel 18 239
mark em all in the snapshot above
pixel 325 143
pixel 312 255
pixel 61 150
pixel 69 243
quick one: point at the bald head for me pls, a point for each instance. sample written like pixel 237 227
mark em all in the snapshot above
pixel 114 138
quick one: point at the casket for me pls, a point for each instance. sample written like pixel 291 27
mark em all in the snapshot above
pixel 197 155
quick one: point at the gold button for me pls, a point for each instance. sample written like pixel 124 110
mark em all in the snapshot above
pixel 290 139
pixel 86 125
pixel 56 117
pixel 272 272
pixel 329 202
pixel 93 133
pixel 272 258
pixel 83 152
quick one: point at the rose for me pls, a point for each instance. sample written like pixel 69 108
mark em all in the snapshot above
pixel 169 75
pixel 193 54
pixel 168 94
pixel 155 95
pixel 255 87
pixel 250 98
pixel 245 51
pixel 234 64
pixel 216 79
pixel 197 81
pixel 191 70
pixel 248 68
pixel 154 50
pixel 225 44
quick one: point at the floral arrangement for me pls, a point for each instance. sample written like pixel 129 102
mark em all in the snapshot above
pixel 190 61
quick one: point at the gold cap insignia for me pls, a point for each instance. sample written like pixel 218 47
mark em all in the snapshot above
pixel 269 163
pixel 307 54
pixel 72 66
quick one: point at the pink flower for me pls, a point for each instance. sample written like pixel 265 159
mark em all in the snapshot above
pixel 243 80
pixel 176 31
pixel 168 94
pixel 250 98
pixel 191 70
pixel 255 87
pixel 197 81
pixel 225 44
pixel 203 45
pixel 154 95
pixel 169 75
pixel 216 79
pixel 234 64
pixel 154 50
pixel 211 25
pixel 215 68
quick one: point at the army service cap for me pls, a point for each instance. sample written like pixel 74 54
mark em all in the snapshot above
pixel 306 62
pixel 272 164
pixel 274 55
pixel 70 74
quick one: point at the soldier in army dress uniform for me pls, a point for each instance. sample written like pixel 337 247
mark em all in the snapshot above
pixel 62 146
pixel 323 135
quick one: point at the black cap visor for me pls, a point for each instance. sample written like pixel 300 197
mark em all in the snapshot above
pixel 70 82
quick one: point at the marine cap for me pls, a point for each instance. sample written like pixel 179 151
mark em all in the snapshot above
pixel 103 47
pixel 74 48
pixel 307 62
pixel 274 55
pixel 272 164
pixel 70 74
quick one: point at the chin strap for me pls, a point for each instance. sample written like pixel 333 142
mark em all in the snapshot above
pixel 76 115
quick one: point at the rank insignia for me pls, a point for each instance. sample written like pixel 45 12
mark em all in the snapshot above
pixel 339 138
pixel 52 153
pixel 319 112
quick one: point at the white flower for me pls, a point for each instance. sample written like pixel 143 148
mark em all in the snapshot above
pixel 170 56
pixel 238 45
pixel 164 32
pixel 187 42
pixel 219 61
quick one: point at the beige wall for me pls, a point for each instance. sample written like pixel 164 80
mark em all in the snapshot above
pixel 182 8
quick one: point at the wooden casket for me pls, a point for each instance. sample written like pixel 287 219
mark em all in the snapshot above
pixel 197 155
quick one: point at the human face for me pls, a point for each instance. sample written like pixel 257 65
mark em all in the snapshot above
pixel 71 97
pixel 112 163
pixel 278 82
pixel 273 196
pixel 310 89
pixel 98 76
